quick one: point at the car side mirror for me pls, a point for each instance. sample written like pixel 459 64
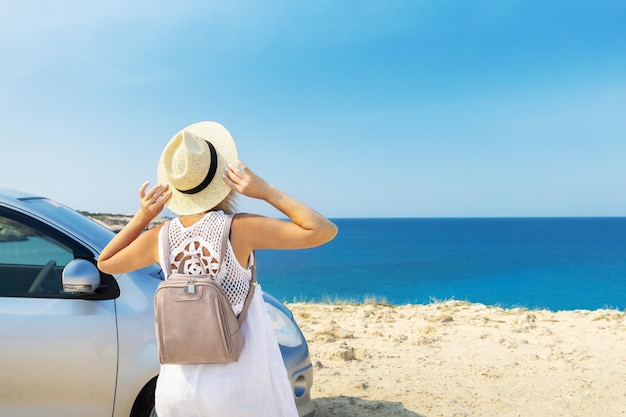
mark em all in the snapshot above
pixel 80 277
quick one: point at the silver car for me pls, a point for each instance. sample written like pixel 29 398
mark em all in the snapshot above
pixel 78 342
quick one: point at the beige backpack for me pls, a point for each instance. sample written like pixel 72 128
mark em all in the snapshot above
pixel 194 320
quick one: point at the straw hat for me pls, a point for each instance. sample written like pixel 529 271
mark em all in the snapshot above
pixel 192 164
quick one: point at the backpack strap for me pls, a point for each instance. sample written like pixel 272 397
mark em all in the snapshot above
pixel 225 237
pixel 246 304
pixel 165 246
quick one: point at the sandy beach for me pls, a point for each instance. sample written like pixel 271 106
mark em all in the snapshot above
pixel 455 358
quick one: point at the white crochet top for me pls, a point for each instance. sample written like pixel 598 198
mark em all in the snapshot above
pixel 195 250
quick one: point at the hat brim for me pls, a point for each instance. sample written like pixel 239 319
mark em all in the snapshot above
pixel 186 204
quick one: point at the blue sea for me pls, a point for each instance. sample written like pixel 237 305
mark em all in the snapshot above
pixel 545 263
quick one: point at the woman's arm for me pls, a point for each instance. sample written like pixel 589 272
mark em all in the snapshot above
pixel 306 229
pixel 131 249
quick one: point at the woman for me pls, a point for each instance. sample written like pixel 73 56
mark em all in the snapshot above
pixel 197 174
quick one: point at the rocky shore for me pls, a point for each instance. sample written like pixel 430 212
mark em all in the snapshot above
pixel 116 222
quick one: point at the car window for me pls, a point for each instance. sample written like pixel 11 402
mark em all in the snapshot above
pixel 31 260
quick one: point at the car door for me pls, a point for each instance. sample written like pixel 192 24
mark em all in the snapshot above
pixel 58 351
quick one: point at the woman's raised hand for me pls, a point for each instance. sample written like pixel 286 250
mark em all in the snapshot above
pixel 241 179
pixel 152 201
pixel 306 229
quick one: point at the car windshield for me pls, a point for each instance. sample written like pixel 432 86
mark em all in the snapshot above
pixel 71 220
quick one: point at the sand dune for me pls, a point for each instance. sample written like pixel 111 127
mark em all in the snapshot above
pixel 460 359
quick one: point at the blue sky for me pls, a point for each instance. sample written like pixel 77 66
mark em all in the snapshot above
pixel 392 108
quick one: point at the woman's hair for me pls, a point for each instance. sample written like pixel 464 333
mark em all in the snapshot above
pixel 229 204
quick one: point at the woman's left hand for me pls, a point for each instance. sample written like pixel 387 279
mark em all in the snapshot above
pixel 153 200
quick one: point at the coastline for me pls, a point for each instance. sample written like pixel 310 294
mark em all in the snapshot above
pixel 456 358
pixel 115 222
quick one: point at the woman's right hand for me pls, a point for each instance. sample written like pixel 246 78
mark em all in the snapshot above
pixel 306 227
pixel 241 179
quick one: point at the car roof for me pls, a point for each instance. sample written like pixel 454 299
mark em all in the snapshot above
pixel 7 194
pixel 81 227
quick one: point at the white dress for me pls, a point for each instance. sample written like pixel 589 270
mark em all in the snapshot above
pixel 255 386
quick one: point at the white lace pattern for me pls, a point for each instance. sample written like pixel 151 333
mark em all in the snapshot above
pixel 195 250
